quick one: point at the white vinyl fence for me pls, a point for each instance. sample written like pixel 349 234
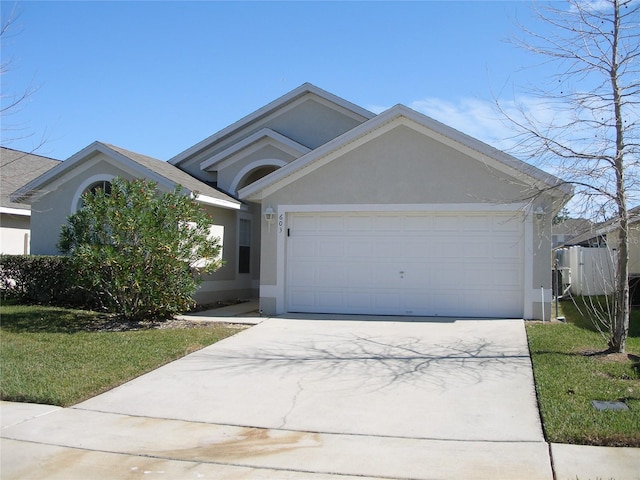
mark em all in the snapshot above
pixel 587 270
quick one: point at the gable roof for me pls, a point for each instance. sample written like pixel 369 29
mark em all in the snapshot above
pixel 17 169
pixel 603 228
pixel 270 108
pixel 260 138
pixel 571 226
pixel 387 120
pixel 148 167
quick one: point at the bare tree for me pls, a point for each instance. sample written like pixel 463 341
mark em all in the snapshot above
pixel 585 129
pixel 11 102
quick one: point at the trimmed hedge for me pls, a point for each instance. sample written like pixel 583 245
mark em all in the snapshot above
pixel 44 280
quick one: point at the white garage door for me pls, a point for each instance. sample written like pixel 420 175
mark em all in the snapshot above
pixel 424 264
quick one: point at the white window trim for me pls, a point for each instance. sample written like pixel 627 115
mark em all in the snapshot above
pixel 101 177
pixel 267 162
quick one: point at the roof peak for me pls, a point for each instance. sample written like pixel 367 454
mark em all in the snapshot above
pixel 289 97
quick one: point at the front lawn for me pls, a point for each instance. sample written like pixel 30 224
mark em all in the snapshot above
pixel 60 357
pixel 570 371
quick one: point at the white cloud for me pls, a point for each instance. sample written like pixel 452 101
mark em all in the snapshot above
pixel 477 118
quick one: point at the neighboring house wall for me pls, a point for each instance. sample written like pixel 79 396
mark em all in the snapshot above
pixel 17 168
pixel 634 247
pixel 15 233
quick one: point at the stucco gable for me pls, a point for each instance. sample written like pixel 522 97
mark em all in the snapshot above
pixel 143 166
pixel 307 115
pixel 500 162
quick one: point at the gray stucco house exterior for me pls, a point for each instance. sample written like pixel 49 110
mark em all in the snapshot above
pixel 323 206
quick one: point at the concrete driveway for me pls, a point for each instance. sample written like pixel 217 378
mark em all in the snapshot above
pixel 310 397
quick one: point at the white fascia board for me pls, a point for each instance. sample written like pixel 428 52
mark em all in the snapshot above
pixel 266 111
pixel 35 188
pixel 216 202
pixel 387 120
pixel 16 211
pixel 263 136
pixel 32 188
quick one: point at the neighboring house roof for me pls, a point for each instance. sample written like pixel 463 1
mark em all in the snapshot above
pixel 157 170
pixel 269 109
pixel 603 228
pixel 401 114
pixel 572 226
pixel 17 169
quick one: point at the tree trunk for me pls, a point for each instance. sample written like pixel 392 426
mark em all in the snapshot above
pixel 620 327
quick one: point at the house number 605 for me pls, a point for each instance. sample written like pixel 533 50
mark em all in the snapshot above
pixel 281 222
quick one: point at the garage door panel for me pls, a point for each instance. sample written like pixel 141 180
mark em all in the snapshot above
pixel 330 223
pixel 506 277
pixel 474 224
pixel 405 264
pixel 301 299
pixel 359 248
pixel 480 249
pixel 507 251
pixel 417 249
pixel 444 248
pixel 359 223
pixel 303 247
pixel 507 223
pixel 447 223
pixel 385 248
pixel 417 224
pixel 330 247
pixel 387 224
pixel 302 275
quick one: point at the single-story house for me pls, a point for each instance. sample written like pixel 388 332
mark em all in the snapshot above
pixel 568 229
pixel 16 169
pixel 325 207
pixel 590 257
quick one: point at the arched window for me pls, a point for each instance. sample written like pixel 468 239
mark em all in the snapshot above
pixel 103 185
pixel 91 185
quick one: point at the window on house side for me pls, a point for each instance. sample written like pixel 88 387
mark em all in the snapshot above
pixel 244 250
pixel 103 185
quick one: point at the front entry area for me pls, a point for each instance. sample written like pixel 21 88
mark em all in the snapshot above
pixel 454 264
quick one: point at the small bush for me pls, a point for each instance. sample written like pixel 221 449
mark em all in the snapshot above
pixel 45 280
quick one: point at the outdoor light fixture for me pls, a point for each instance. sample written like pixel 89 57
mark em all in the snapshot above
pixel 269 216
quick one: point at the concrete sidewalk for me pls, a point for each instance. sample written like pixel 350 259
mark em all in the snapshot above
pixel 316 399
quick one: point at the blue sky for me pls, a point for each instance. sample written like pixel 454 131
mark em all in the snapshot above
pixel 157 77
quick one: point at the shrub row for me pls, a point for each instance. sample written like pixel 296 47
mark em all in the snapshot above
pixel 46 280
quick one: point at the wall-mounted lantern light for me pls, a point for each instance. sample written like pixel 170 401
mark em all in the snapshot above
pixel 269 216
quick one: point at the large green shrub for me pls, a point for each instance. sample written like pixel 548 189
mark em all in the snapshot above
pixel 139 251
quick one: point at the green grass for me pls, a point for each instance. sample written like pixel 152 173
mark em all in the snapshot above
pixel 570 371
pixel 50 355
